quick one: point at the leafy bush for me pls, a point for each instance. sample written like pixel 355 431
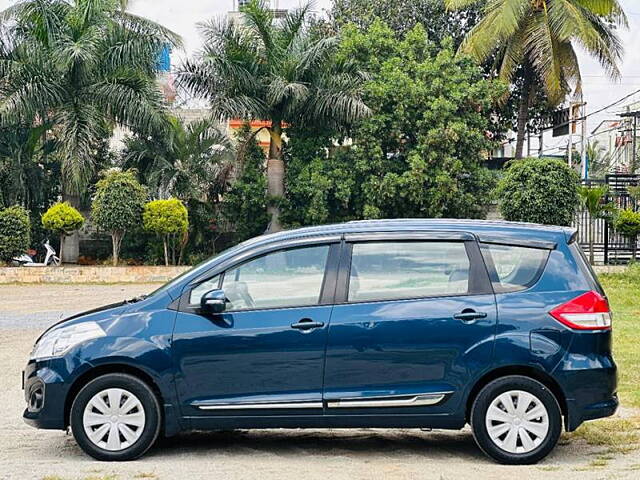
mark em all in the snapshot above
pixel 170 220
pixel 14 232
pixel 627 223
pixel 539 190
pixel 62 219
pixel 117 206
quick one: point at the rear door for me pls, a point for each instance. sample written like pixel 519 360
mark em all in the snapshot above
pixel 414 321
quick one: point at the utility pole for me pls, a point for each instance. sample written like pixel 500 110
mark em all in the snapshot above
pixel 585 160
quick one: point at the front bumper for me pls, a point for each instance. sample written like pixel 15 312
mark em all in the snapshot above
pixel 45 391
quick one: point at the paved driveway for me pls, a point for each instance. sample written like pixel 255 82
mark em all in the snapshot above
pixel 26 453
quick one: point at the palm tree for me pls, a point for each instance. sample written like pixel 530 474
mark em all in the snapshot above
pixel 538 36
pixel 80 67
pixel 599 159
pixel 592 201
pixel 277 71
pixel 191 162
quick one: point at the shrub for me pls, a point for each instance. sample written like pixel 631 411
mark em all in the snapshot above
pixel 627 223
pixel 170 220
pixel 117 206
pixel 62 219
pixel 539 190
pixel 14 232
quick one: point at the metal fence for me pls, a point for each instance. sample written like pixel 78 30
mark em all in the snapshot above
pixel 610 247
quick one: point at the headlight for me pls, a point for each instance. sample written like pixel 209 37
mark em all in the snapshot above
pixel 59 341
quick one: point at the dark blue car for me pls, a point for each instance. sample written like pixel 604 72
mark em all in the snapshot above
pixel 397 323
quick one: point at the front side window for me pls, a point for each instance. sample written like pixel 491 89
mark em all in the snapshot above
pixel 400 270
pixel 517 268
pixel 287 278
pixel 206 286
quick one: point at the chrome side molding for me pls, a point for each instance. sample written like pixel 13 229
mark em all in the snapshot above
pixel 257 406
pixel 420 400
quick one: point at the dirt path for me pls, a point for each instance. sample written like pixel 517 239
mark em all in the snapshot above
pixel 26 453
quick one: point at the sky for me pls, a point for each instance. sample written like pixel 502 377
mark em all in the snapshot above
pixel 182 16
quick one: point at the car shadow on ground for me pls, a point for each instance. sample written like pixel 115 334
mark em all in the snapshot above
pixel 321 443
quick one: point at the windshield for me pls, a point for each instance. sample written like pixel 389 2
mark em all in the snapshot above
pixel 196 270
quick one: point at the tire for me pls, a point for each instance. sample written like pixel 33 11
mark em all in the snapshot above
pixel 120 434
pixel 510 435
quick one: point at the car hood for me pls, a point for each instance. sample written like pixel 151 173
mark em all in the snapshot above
pixel 94 314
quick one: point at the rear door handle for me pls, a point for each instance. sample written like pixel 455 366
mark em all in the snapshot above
pixel 307 324
pixel 468 315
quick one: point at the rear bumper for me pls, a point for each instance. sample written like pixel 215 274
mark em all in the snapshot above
pixel 591 392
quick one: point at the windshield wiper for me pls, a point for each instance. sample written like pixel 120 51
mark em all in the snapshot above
pixel 139 298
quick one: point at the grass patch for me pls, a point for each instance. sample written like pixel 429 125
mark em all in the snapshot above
pixel 617 435
pixel 623 290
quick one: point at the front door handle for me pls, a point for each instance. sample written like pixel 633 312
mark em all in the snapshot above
pixel 307 324
pixel 469 315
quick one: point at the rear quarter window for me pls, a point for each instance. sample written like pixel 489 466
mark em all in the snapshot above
pixel 513 268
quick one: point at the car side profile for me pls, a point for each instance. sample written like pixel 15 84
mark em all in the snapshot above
pixel 393 323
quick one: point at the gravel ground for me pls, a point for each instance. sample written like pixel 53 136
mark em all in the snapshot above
pixel 27 453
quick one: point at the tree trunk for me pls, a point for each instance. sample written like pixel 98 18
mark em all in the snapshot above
pixel 71 250
pixel 523 111
pixel 62 235
pixel 166 251
pixel 592 259
pixel 116 241
pixel 275 176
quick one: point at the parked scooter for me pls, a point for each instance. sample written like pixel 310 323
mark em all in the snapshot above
pixel 50 258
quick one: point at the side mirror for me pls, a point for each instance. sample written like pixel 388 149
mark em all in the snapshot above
pixel 214 301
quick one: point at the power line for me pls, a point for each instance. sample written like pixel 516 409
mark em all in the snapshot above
pixel 591 114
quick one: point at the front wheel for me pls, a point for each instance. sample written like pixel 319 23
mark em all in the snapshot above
pixel 115 417
pixel 516 420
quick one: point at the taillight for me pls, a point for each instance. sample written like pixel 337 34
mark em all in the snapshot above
pixel 589 311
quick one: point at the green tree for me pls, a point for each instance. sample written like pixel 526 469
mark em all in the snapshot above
pixel 599 159
pixel 539 36
pixel 403 15
pixel 539 190
pixel 627 223
pixel 170 220
pixel 418 155
pixel 80 67
pixel 63 220
pixel 260 68
pixel 193 161
pixel 117 206
pixel 243 207
pixel 592 200
pixel 14 232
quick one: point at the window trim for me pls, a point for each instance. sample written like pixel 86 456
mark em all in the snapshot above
pixel 327 287
pixel 479 281
pixel 493 271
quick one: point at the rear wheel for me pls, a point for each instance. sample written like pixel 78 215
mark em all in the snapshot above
pixel 516 420
pixel 115 417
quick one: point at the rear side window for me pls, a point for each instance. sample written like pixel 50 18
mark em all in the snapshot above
pixel 516 268
pixel 401 270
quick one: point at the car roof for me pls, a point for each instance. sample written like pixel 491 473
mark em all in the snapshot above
pixel 503 229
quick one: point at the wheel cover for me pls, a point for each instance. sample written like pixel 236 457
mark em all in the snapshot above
pixel 517 421
pixel 114 419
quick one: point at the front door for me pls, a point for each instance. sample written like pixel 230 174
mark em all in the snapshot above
pixel 417 320
pixel 265 354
